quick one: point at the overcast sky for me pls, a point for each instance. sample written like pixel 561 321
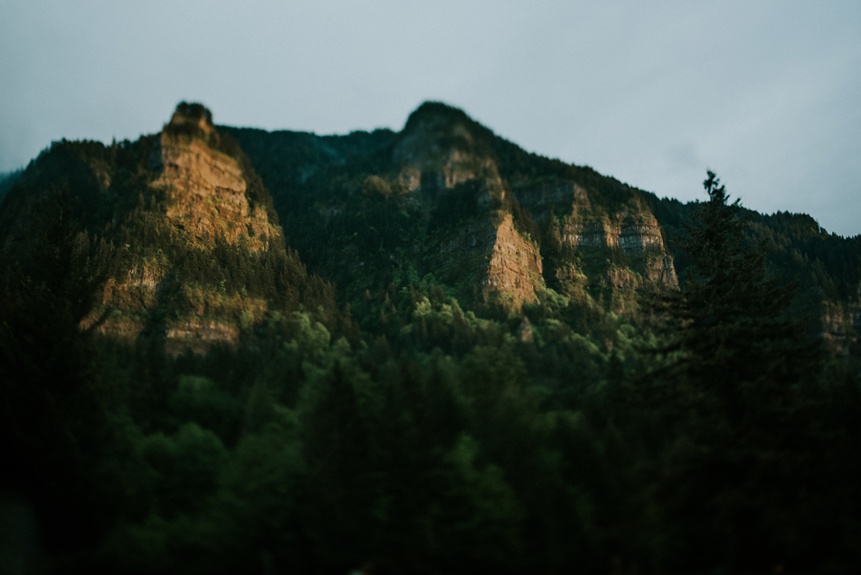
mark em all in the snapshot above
pixel 767 93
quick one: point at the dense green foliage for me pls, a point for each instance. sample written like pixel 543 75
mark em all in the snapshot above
pixel 398 424
pixel 7 180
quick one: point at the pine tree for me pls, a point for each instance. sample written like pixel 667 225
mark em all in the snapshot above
pixel 735 394
pixel 50 415
pixel 732 333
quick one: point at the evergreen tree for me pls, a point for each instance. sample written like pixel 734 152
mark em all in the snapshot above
pixel 735 392
pixel 734 334
pixel 51 419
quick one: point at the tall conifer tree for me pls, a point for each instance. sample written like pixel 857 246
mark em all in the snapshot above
pixel 737 340
pixel 736 392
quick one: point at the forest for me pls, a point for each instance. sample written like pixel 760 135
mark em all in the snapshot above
pixel 386 420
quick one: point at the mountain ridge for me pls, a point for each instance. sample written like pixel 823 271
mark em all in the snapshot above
pixel 519 169
pixel 444 197
pixel 441 148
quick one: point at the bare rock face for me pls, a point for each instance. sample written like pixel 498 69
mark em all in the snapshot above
pixel 204 200
pixel 515 268
pixel 126 303
pixel 593 244
pixel 193 118
pixel 198 335
pixel 205 192
pixel 507 266
pixel 440 150
pixel 633 239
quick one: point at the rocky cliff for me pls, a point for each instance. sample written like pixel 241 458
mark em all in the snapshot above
pixel 491 221
pixel 556 229
pixel 200 259
pixel 205 195
pixel 592 244
pixel 200 211
pixel 515 269
pixel 440 156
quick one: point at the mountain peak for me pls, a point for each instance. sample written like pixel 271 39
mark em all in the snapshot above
pixel 192 115
pixel 437 113
pixel 435 131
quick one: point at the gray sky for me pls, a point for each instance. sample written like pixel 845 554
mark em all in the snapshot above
pixel 767 93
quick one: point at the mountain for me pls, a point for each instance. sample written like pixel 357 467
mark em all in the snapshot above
pixel 224 349
pixel 500 226
pixel 488 219
pixel 197 255
pixel 444 199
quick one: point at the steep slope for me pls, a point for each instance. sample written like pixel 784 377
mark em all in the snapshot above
pixel 591 243
pixel 448 197
pixel 824 268
pixel 193 254
pixel 441 155
pixel 206 190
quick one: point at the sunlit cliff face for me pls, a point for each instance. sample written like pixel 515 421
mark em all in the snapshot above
pixel 203 200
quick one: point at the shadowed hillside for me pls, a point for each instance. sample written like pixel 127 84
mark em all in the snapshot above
pixel 228 350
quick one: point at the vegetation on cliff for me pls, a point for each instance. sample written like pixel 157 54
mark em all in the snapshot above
pixel 354 394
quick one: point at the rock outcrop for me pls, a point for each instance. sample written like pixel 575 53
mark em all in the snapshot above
pixel 439 149
pixel 515 269
pixel 202 198
pixel 594 243
pixel 205 195
pixel 195 228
